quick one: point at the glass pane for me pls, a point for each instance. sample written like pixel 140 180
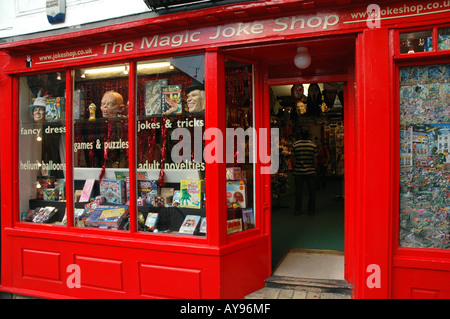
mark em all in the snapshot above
pixel 100 149
pixel 444 39
pixel 240 148
pixel 424 156
pixel 412 42
pixel 42 165
pixel 170 125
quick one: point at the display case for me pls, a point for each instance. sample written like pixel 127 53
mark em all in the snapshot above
pixel 170 171
pixel 42 164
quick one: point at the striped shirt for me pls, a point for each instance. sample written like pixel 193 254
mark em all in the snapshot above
pixel 305 153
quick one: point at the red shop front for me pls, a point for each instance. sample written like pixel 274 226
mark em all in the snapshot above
pixel 116 149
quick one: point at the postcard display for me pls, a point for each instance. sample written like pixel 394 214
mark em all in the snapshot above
pixel 424 156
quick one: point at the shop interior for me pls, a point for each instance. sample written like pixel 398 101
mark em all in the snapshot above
pixel 319 108
pixel 330 60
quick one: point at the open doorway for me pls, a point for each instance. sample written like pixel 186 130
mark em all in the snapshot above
pixel 317 107
pixel 331 69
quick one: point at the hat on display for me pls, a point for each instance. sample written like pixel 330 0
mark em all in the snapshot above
pixel 41 101
pixel 196 85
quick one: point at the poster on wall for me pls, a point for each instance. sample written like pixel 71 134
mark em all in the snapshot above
pixel 424 156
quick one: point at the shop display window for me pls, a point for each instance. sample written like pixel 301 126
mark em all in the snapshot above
pixel 412 42
pixel 240 146
pixel 444 39
pixel 100 147
pixel 42 164
pixel 424 156
pixel 171 192
pixel 170 168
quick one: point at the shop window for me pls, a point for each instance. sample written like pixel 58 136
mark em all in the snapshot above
pixel 42 165
pixel 240 146
pixel 444 39
pixel 100 147
pixel 424 158
pixel 412 42
pixel 171 195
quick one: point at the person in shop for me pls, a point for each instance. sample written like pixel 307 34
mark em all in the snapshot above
pixel 322 163
pixel 305 155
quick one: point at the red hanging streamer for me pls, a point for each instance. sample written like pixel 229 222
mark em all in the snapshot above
pixel 105 150
pixel 162 178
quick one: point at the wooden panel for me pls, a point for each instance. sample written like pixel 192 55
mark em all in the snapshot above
pixel 40 264
pixel 169 282
pixel 100 272
pixel 420 284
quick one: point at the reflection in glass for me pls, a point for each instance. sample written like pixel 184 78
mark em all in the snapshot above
pixel 42 166
pixel 424 156
pixel 412 42
pixel 100 125
pixel 240 138
pixel 444 39
pixel 170 167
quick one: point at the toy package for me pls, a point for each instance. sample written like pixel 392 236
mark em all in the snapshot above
pixel 87 190
pixel 54 109
pixel 190 224
pixel 113 190
pixel 171 99
pixel 191 194
pixel 50 194
pixel 147 190
pixel 150 221
pixel 248 218
pixel 153 101
pixel 60 186
pixel 234 226
pixel 236 194
pixel 233 173
pixel 44 182
pixel 107 216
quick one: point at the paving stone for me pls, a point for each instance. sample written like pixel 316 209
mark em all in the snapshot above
pixel 286 294
pixel 313 295
pixel 299 294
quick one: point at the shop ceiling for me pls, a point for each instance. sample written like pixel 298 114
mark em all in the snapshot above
pixel 329 56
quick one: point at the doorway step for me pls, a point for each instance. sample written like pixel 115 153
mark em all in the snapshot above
pixel 307 274
pixel 318 286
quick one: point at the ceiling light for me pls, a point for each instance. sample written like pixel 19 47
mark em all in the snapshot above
pixel 302 59
pixel 105 69
pixel 153 65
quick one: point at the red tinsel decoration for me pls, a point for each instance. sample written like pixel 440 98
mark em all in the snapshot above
pixel 162 178
pixel 109 125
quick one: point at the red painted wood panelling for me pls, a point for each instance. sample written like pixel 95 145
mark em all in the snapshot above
pixel 410 283
pixel 40 264
pixel 184 283
pixel 100 272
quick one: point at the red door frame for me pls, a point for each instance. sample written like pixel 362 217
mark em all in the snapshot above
pixel 349 116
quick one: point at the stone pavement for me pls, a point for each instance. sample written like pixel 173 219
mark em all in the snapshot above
pixel 286 293
pixel 284 287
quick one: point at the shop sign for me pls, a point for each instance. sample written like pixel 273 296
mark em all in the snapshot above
pixel 371 16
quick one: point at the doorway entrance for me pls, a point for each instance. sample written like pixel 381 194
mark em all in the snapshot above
pixel 331 69
pixel 305 244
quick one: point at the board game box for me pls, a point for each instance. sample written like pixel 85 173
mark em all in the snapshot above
pixel 113 190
